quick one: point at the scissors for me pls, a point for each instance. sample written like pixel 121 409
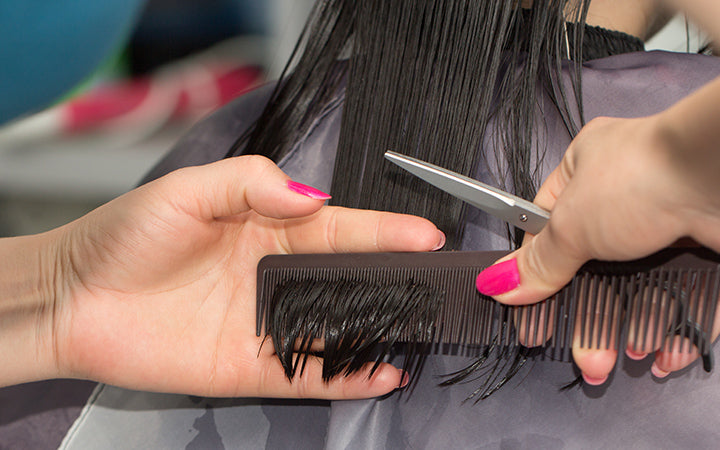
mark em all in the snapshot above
pixel 510 208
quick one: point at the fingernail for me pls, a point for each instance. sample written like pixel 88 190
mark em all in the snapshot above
pixel 441 241
pixel 658 372
pixel 594 381
pixel 307 191
pixel 637 356
pixel 405 380
pixel 499 278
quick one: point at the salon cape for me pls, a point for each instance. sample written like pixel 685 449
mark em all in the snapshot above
pixel 632 409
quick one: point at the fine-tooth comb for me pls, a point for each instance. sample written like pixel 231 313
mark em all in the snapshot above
pixel 361 304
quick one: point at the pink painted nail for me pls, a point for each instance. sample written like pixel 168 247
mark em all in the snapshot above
pixel 499 278
pixel 405 380
pixel 594 381
pixel 441 241
pixel 658 372
pixel 637 356
pixel 307 191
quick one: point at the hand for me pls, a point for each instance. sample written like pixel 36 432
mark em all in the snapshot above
pixel 157 287
pixel 622 191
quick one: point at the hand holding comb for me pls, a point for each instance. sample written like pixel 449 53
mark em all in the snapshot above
pixel 360 305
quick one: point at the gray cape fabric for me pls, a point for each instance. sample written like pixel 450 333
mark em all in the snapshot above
pixel 38 415
pixel 631 410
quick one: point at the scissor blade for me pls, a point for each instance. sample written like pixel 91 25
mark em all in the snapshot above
pixel 508 207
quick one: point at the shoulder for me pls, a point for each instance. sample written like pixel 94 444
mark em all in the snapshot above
pixel 639 18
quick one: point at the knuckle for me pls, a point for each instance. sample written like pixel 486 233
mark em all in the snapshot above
pixel 534 263
pixel 550 256
pixel 303 387
pixel 176 177
pixel 564 234
pixel 331 235
pixel 255 162
pixel 598 122
pixel 256 166
pixel 377 238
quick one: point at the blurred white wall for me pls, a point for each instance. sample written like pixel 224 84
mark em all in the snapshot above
pixel 287 18
pixel 678 36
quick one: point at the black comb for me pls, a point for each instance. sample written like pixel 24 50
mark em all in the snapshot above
pixel 436 308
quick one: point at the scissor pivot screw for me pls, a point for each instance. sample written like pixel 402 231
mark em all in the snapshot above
pixel 523 218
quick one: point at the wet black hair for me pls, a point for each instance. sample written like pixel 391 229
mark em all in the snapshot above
pixel 446 81
pixel 432 79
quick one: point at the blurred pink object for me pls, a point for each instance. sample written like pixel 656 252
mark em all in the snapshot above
pixel 184 93
pixel 133 109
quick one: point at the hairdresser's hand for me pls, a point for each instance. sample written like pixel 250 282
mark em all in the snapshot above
pixel 622 191
pixel 157 288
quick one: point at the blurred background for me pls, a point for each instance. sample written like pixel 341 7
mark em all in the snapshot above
pixel 156 68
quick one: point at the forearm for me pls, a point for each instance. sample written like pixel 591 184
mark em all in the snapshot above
pixel 705 13
pixel 26 309
pixel 692 127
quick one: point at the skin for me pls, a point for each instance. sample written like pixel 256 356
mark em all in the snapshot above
pixel 156 290
pixel 640 18
pixel 662 186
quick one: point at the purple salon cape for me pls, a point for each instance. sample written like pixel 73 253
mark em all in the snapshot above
pixel 632 410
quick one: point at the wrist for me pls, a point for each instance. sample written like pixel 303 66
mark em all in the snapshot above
pixel 667 135
pixel 29 274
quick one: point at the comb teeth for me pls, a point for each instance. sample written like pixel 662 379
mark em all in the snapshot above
pixel 664 301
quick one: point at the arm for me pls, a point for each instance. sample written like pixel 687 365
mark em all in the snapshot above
pixel 26 284
pixel 156 290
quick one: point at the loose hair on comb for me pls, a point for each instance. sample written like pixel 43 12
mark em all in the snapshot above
pixel 358 322
pixel 446 81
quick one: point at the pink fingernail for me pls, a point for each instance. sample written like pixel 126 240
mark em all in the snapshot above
pixel 307 191
pixel 594 381
pixel 635 355
pixel 441 241
pixel 499 278
pixel 405 380
pixel 658 372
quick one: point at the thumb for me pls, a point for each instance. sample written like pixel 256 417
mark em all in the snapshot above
pixel 236 185
pixel 546 262
pixel 534 272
